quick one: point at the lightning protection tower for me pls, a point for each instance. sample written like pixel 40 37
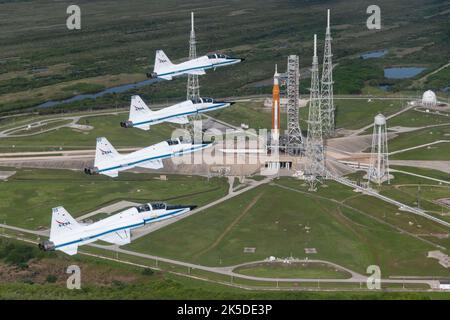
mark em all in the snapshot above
pixel 193 88
pixel 315 168
pixel 294 134
pixel 326 90
pixel 378 171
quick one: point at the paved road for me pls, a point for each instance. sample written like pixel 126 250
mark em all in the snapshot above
pixel 420 176
pixel 363 129
pixel 443 166
pixel 419 146
pixel 389 200
pixel 228 271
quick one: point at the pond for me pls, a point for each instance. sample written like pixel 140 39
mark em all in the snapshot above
pixel 374 54
pixel 402 72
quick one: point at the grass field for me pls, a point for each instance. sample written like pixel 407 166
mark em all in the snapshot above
pixel 103 126
pixel 425 172
pixel 415 119
pixel 354 114
pixel 405 188
pixel 293 270
pixel 27 198
pixel 419 137
pixel 302 221
pixel 350 114
pixel 438 151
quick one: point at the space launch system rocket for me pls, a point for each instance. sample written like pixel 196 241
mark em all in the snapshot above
pixel 276 107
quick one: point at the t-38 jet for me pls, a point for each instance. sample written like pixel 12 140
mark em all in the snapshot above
pixel 109 162
pixel 142 117
pixel 66 234
pixel 165 69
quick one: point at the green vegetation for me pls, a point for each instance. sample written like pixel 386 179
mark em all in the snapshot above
pixel 254 220
pixel 351 77
pixel 84 88
pixel 350 113
pixel 294 270
pixel 354 114
pixel 419 137
pixel 17 253
pixel 103 279
pixel 47 126
pixel 122 37
pixel 424 172
pixel 414 119
pixel 438 151
pixel 27 198
pixel 253 114
pixel 103 126
pixel 439 80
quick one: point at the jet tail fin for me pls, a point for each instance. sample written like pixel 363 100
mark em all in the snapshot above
pixel 139 111
pixel 62 222
pixel 104 152
pixel 161 61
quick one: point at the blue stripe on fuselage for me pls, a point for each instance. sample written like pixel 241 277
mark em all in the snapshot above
pixel 195 68
pixel 180 114
pixel 150 159
pixel 119 229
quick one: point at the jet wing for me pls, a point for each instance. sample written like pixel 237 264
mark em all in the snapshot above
pixel 179 120
pixel 70 250
pixel 155 164
pixel 119 237
pixel 112 174
pixel 145 127
pixel 165 77
pixel 198 72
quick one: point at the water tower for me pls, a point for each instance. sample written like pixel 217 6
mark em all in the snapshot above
pixel 379 164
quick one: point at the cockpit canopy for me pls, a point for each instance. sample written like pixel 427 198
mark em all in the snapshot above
pixel 202 100
pixel 158 205
pixel 143 208
pixel 151 206
pixel 218 56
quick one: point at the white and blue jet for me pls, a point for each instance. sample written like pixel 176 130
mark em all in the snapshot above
pixel 109 162
pixel 66 234
pixel 165 69
pixel 143 118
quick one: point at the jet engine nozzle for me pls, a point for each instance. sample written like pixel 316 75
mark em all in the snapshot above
pixel 91 171
pixel 152 75
pixel 126 124
pixel 46 245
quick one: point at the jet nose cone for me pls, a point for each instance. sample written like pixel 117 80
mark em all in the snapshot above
pixel 242 59
pixel 192 207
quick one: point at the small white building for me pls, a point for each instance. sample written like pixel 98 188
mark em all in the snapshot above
pixel 444 285
pixel 429 99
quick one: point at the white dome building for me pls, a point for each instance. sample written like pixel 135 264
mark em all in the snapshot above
pixel 429 99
